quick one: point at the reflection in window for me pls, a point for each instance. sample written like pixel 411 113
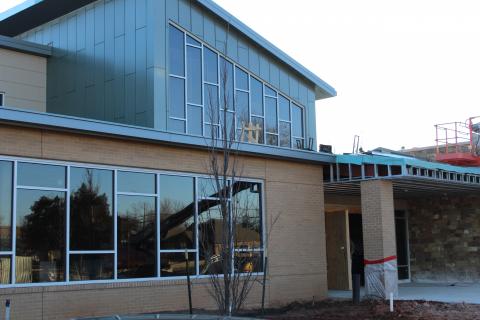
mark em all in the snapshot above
pixel 91 267
pixel 136 237
pixel 248 261
pixel 177 97
pixel 177 213
pixel 196 108
pixel 40 243
pixel 41 175
pixel 297 125
pixel 5 269
pixel 226 85
pixel 6 183
pixel 210 66
pixel 174 264
pixel 210 233
pixel 177 51
pixel 257 96
pixel 136 182
pixel 246 215
pixel 194 75
pixel 91 217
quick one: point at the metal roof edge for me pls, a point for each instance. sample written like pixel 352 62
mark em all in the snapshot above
pixel 18 8
pixel 329 91
pixel 25 46
pixel 67 123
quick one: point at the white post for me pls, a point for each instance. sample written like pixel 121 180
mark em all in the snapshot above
pixel 391 301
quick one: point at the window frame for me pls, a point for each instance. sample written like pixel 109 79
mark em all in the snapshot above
pixel 68 165
pixel 205 122
pixel 2 99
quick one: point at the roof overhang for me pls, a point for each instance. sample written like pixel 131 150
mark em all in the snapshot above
pixel 25 47
pixel 410 177
pixel 120 131
pixel 33 13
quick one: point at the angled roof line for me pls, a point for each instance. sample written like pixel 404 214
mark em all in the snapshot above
pixel 328 91
pixel 26 17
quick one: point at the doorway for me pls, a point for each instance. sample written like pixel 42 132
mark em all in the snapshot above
pixel 345 252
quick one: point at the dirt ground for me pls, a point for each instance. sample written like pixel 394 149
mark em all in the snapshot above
pixel 374 310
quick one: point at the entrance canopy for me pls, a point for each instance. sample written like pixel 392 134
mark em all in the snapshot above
pixel 410 176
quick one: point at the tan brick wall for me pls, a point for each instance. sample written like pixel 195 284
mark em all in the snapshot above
pixel 378 219
pixel 23 79
pixel 296 244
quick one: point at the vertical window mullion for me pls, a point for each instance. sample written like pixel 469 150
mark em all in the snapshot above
pixel 157 176
pixel 115 226
pixel 202 65
pixel 67 226
pixel 185 81
pixel 197 253
pixel 14 225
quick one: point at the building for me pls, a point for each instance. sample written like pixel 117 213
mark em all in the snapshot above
pixel 107 109
pixel 108 106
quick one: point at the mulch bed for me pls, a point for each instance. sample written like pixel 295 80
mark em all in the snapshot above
pixel 374 310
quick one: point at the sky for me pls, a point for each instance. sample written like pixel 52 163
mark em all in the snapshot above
pixel 399 67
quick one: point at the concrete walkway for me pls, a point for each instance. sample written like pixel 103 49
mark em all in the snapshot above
pixel 459 292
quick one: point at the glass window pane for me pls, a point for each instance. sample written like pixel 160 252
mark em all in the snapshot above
pixel 174 264
pixel 271 114
pixel 272 139
pixel 211 104
pixel 192 41
pixel 40 237
pixel 212 131
pixel 195 120
pixel 91 267
pixel 248 261
pixel 177 51
pixel 246 214
pixel 210 231
pixel 177 212
pixel 298 143
pixel 270 92
pixel 6 186
pixel 226 85
pixel 284 107
pixel 177 97
pixel 5 269
pixel 91 214
pixel 194 75
pixel 242 109
pixel 137 182
pixel 229 130
pixel 137 245
pixel 285 134
pixel 210 65
pixel 41 175
pixel 297 121
pixel 257 132
pixel 241 79
pixel 175 125
pixel 207 188
pixel 257 96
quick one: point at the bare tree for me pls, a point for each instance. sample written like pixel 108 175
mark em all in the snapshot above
pixel 230 226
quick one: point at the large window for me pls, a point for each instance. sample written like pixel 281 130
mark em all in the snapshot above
pixel 75 223
pixel 208 92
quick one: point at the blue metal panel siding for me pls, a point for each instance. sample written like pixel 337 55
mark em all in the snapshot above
pixel 98 68
pixel 119 48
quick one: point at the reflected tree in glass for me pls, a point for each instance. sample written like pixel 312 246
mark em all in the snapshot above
pixel 40 254
pixel 91 218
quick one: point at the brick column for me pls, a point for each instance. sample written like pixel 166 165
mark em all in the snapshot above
pixel 379 243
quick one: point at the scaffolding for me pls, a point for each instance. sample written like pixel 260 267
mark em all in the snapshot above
pixel 458 143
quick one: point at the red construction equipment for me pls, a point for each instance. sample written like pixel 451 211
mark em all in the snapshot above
pixel 458 143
